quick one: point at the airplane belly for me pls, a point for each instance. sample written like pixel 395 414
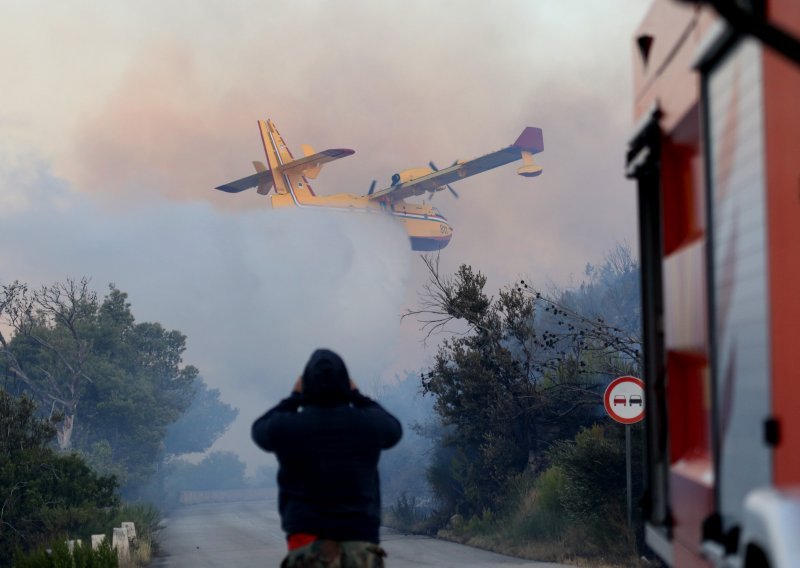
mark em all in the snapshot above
pixel 428 244
pixel 427 234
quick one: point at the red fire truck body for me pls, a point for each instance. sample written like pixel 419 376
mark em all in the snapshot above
pixel 716 154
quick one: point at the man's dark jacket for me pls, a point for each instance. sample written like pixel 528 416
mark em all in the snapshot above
pixel 328 454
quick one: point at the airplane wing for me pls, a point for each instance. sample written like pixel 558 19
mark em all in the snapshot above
pixel 261 178
pixel 529 142
pixel 316 160
pixel 307 164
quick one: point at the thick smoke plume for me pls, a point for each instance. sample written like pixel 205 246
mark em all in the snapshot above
pixel 255 292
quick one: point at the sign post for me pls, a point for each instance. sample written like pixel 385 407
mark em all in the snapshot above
pixel 624 402
pixel 628 480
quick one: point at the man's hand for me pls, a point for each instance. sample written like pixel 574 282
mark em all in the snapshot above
pixel 298 386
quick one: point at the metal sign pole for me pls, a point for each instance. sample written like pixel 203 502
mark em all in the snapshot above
pixel 624 402
pixel 628 468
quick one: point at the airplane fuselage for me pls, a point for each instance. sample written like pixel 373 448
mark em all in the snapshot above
pixel 427 228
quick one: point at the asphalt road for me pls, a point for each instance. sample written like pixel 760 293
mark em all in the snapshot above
pixel 237 534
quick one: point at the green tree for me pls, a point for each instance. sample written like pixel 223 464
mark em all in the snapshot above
pixel 217 471
pixel 43 494
pixel 50 349
pixel 522 370
pixel 593 494
pixel 594 328
pixel 118 383
pixel 490 384
pixel 198 428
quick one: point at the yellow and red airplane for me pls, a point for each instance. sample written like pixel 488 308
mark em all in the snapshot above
pixel 426 226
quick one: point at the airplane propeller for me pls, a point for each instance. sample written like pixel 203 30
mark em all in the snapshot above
pixel 372 187
pixel 434 168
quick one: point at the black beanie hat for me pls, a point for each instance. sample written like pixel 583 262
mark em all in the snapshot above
pixel 325 378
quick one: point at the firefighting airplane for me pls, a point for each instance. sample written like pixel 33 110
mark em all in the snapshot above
pixel 426 227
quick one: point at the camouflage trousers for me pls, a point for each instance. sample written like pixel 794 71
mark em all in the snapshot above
pixel 333 554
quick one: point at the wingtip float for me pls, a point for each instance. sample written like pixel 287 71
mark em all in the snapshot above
pixel 285 180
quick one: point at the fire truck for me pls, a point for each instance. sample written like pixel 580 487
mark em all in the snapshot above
pixel 716 158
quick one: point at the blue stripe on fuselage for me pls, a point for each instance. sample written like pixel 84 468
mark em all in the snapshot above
pixel 428 244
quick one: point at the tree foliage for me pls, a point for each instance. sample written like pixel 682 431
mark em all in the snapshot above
pixel 49 352
pixel 520 371
pixel 42 493
pixel 593 493
pixel 117 383
pixel 204 421
pixel 216 471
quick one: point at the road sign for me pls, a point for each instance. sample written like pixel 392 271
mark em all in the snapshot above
pixel 624 400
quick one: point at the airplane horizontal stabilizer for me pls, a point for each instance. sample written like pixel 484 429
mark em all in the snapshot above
pixel 263 179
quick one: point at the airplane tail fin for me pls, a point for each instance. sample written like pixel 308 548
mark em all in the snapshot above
pixel 282 171
pixel 276 151
pixel 530 142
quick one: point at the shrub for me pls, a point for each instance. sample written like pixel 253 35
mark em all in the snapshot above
pixel 58 555
pixel 45 494
pixel 539 514
pixel 593 491
pixel 480 525
pixel 404 511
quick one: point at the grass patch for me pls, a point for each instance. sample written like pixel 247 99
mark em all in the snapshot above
pixel 59 555
pixel 537 527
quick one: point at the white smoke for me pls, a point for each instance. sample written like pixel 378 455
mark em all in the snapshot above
pixel 255 292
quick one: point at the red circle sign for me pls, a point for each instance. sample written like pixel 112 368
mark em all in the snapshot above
pixel 624 400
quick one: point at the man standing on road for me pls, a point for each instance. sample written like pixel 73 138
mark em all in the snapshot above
pixel 329 494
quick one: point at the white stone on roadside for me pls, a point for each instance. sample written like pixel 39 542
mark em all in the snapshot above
pixel 97 540
pixel 119 542
pixel 130 530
